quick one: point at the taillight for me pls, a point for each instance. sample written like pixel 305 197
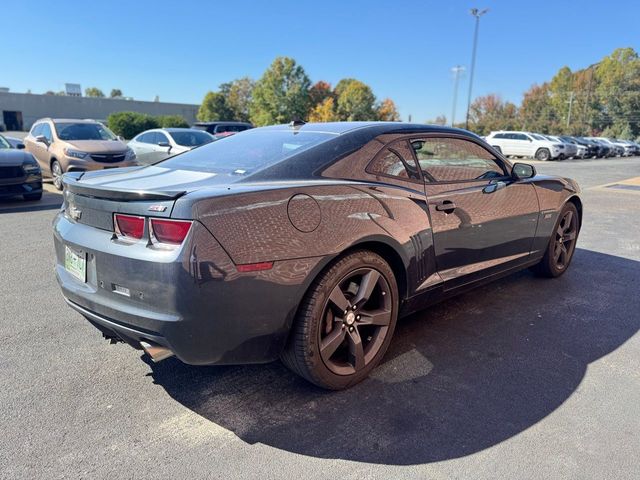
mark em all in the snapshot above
pixel 130 226
pixel 172 232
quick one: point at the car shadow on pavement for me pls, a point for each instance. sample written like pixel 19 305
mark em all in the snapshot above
pixel 459 377
pixel 49 201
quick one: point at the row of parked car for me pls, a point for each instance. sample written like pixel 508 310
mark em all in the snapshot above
pixel 559 147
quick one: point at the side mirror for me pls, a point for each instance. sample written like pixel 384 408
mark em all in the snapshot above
pixel 164 144
pixel 120 138
pixel 20 146
pixel 42 139
pixel 522 171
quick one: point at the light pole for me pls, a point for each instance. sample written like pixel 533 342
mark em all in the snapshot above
pixel 457 70
pixel 476 13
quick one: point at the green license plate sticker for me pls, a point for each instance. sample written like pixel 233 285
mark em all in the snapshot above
pixel 75 264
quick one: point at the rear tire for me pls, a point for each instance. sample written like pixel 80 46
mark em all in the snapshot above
pixel 562 244
pixel 543 154
pixel 345 322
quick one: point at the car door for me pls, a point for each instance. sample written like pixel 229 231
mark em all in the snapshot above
pixel 483 221
pixel 40 150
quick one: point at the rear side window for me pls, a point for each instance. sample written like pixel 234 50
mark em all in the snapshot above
pixel 454 159
pixel 500 135
pixel 395 161
pixel 145 138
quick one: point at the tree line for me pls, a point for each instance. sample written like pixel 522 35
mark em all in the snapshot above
pixel 285 92
pixel 601 99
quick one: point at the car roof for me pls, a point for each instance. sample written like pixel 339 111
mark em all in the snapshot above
pixel 222 123
pixel 341 128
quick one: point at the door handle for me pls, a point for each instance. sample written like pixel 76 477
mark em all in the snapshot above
pixel 446 206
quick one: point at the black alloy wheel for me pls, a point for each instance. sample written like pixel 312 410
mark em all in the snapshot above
pixel 345 322
pixel 562 244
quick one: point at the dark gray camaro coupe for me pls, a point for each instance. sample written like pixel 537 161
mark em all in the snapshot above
pixel 303 242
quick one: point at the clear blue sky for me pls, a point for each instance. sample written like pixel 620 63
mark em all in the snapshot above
pixel 404 49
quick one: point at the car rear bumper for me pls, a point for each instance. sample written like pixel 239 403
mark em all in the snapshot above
pixel 191 300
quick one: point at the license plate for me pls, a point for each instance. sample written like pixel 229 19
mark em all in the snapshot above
pixel 75 264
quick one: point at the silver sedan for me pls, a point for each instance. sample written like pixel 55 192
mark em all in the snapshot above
pixel 158 144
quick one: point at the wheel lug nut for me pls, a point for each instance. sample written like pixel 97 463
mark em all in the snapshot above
pixel 351 329
pixel 357 317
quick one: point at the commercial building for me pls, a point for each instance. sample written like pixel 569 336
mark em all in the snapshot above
pixel 18 111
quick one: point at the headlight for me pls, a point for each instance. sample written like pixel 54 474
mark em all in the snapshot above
pixel 74 153
pixel 131 155
pixel 31 168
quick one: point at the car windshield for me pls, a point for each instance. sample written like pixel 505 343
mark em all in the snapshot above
pixel 191 138
pixel 4 143
pixel 246 152
pixel 83 131
pixel 537 137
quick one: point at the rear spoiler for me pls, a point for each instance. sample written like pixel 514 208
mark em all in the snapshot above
pixel 71 184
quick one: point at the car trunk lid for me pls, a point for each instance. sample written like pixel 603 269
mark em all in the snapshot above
pixel 92 198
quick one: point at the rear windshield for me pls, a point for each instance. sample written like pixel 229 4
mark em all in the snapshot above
pixel 83 131
pixel 191 138
pixel 247 152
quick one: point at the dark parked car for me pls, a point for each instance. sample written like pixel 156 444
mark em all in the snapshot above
pixel 15 142
pixel 19 173
pixel 303 242
pixel 222 129
pixel 590 149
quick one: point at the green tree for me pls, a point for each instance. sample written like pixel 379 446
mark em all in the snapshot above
pixel 386 111
pixel 130 124
pixel 281 94
pixel 115 93
pixel 93 92
pixel 214 107
pixel 171 121
pixel 238 96
pixel 356 100
pixel 618 91
pixel 536 112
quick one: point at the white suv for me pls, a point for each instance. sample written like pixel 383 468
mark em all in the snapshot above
pixel 525 144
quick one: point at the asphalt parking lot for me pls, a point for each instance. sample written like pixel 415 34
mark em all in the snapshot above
pixel 523 378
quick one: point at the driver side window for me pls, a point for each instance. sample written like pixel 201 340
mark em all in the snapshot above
pixel 455 159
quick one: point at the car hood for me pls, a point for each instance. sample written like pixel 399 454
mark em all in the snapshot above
pixel 13 158
pixel 98 146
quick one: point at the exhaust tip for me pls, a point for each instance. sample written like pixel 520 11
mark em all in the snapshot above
pixel 156 352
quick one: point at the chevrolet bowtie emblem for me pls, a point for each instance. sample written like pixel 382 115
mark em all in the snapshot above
pixel 75 212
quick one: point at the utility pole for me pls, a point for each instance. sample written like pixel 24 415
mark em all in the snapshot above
pixel 457 70
pixel 570 105
pixel 477 14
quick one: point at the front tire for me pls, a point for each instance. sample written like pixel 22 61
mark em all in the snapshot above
pixel 543 154
pixel 562 244
pixel 56 173
pixel 345 322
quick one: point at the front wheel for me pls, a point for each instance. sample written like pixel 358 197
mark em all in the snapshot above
pixel 345 322
pixel 561 245
pixel 56 173
pixel 543 155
